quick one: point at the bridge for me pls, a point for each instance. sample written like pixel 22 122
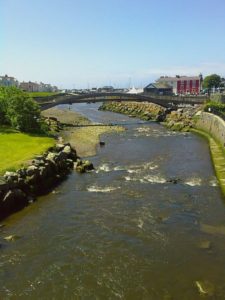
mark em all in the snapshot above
pixel 164 101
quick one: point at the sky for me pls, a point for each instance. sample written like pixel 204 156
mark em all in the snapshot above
pixel 124 43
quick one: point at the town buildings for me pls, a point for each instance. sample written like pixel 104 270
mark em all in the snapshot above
pixel 183 84
pixel 8 81
pixel 37 87
pixel 106 89
pixel 27 86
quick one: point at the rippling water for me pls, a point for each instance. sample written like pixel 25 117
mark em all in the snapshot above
pixel 124 231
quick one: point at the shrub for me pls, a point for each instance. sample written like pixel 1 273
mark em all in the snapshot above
pixel 215 107
pixel 18 110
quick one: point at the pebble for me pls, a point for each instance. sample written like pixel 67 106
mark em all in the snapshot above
pixel 205 287
pixel 205 245
pixel 11 238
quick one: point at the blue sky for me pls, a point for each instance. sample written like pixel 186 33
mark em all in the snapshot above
pixel 86 43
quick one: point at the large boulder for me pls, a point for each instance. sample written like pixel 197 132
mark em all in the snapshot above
pixel 84 166
pixel 51 156
pixel 11 176
pixel 59 147
pixel 32 170
pixel 13 201
pixel 4 186
pixel 67 149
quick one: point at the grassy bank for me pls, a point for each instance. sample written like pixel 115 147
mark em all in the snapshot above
pixel 66 116
pixel 218 157
pixel 17 148
pixel 41 94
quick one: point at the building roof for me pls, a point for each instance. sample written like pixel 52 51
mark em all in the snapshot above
pixel 7 77
pixel 107 87
pixel 158 85
pixel 177 78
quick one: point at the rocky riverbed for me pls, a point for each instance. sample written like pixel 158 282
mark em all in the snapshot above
pixel 144 111
pixel 79 130
pixel 180 119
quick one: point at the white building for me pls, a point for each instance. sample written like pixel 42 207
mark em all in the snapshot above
pixel 8 81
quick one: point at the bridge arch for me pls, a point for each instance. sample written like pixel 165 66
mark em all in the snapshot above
pixel 164 101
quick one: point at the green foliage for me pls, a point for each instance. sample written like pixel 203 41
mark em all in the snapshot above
pixel 41 94
pixel 3 107
pixel 18 110
pixel 211 81
pixel 215 107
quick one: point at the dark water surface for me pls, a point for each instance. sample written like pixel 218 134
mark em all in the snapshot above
pixel 123 231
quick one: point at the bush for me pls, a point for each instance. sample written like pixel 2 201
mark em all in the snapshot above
pixel 215 108
pixel 18 110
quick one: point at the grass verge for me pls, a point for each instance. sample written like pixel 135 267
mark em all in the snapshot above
pixel 218 157
pixel 17 148
pixel 41 94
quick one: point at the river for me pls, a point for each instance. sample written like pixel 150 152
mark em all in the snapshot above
pixel 125 230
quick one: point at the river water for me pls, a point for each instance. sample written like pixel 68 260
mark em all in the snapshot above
pixel 123 231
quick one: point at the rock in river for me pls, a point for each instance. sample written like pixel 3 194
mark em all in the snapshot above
pixel 205 287
pixel 11 238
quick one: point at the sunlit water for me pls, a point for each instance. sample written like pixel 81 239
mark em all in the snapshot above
pixel 124 231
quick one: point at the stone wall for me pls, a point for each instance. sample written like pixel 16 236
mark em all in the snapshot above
pixel 145 111
pixel 18 189
pixel 213 125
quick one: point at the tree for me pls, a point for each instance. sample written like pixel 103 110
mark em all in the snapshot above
pixel 211 81
pixel 3 108
pixel 19 110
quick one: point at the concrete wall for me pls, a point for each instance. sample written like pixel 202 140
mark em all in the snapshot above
pixel 212 124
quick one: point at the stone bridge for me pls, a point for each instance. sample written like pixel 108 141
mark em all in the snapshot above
pixel 165 101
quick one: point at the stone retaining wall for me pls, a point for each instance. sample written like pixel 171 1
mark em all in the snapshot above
pixel 145 111
pixel 18 189
pixel 213 125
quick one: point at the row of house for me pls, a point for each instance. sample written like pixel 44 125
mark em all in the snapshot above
pixel 178 85
pixel 8 81
pixel 27 86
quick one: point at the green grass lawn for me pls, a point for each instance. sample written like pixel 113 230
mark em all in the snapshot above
pixel 17 148
pixel 41 94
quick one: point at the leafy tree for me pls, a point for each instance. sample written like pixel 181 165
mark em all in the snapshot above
pixel 19 110
pixel 3 107
pixel 211 81
pixel 222 83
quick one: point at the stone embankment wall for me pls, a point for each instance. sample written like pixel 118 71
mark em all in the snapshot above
pixel 212 124
pixel 18 189
pixel 145 111
pixel 213 127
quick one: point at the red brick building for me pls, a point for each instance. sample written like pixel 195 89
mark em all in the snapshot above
pixel 183 84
